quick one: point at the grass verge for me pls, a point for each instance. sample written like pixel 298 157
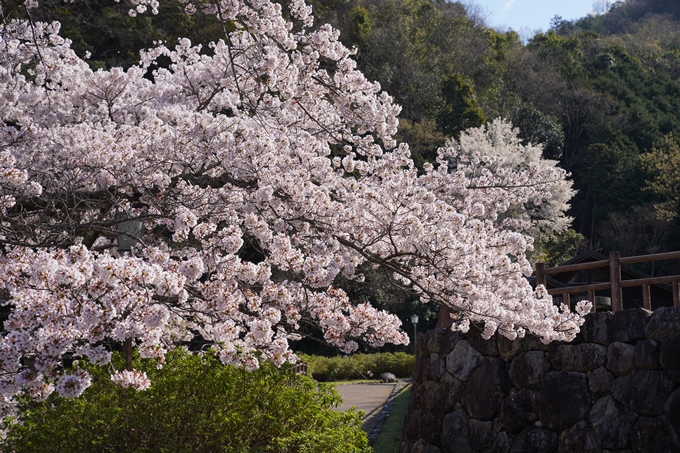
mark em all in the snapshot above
pixel 390 434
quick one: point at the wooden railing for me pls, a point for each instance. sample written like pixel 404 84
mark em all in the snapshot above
pixel 615 283
pixel 300 368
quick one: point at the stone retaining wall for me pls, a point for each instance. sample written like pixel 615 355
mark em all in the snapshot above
pixel 613 389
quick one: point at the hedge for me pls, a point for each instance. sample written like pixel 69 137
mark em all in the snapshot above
pixel 359 366
pixel 194 405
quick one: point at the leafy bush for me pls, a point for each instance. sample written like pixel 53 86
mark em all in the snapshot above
pixel 195 404
pixel 357 366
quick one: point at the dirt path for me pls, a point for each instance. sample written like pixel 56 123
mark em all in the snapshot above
pixel 368 398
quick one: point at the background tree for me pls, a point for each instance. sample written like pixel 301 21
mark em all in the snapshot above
pixel 460 111
pixel 663 167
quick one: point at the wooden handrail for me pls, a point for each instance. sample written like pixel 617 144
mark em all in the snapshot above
pixel 615 284
pixel 649 281
pixel 575 267
pixel 605 263
pixel 579 289
pixel 653 257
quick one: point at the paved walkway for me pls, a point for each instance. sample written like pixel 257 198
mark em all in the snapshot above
pixel 368 398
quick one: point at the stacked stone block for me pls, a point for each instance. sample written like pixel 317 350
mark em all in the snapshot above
pixel 615 388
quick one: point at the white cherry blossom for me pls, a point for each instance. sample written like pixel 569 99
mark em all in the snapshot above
pixel 264 179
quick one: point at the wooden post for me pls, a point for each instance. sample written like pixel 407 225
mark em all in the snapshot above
pixel 540 276
pixel 615 280
pixel 591 299
pixel 127 352
pixel 566 300
pixel 676 294
pixel 444 318
pixel 646 297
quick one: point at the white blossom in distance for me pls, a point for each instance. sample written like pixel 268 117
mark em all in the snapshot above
pixel 498 140
pixel 263 179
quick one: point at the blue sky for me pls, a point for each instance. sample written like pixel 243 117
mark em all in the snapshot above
pixel 530 15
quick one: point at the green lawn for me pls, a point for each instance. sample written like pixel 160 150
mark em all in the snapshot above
pixel 390 434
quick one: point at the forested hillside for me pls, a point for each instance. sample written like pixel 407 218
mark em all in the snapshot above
pixel 601 95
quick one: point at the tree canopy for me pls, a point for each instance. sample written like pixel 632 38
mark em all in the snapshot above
pixel 265 171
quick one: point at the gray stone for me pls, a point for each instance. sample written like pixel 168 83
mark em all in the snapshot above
pixel 433 340
pixel 509 349
pixel 597 328
pixel 456 432
pixel 654 435
pixel 423 369
pixel 582 357
pixel 488 347
pixel 672 409
pixel 669 357
pixel 413 401
pixel 427 395
pixel 564 399
pixel 480 434
pixel 664 323
pixel 423 447
pixel 449 392
pixel 421 345
pixel 647 354
pixel 599 382
pixel 405 446
pixel 449 340
pixel 611 423
pixel 388 377
pixel 462 360
pixel 535 439
pixel 437 366
pixel 644 391
pixel 621 358
pixel 527 370
pixel 532 343
pixel 422 425
pixel 488 385
pixel 629 325
pixel 518 410
pixel 419 447
pixel 411 426
pixel 577 439
pixel 500 441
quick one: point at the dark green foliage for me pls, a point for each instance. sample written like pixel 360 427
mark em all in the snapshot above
pixel 559 248
pixel 358 366
pixel 460 111
pixel 105 29
pixel 423 137
pixel 194 405
pixel 538 128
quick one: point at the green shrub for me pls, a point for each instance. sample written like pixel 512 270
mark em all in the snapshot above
pixel 195 404
pixel 357 366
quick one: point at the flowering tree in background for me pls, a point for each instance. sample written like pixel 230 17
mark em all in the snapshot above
pixel 498 139
pixel 265 172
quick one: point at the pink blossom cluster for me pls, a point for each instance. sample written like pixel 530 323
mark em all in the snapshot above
pixel 133 379
pixel 263 179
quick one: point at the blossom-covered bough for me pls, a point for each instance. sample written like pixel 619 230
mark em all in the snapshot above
pixel 265 172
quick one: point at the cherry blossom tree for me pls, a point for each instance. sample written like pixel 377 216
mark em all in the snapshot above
pixel 498 139
pixel 265 172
